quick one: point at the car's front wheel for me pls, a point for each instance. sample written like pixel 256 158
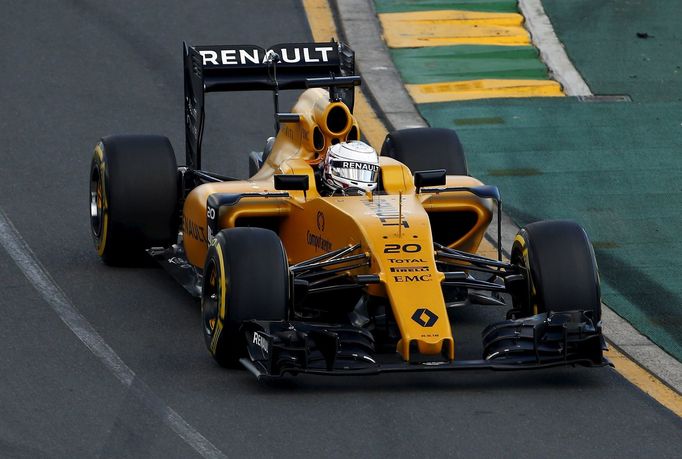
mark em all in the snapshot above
pixel 246 277
pixel 562 269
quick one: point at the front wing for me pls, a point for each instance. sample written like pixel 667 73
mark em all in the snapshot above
pixel 540 341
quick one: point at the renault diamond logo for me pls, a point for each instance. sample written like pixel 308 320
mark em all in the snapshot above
pixel 424 317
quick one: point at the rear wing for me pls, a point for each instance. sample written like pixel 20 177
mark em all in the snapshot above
pixel 252 68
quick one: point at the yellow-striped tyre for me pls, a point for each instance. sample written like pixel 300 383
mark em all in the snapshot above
pixel 133 197
pixel 246 277
pixel 561 266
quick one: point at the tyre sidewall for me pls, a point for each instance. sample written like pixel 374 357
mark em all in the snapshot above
pixel 527 300
pixel 219 342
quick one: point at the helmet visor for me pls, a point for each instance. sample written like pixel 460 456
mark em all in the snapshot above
pixel 355 170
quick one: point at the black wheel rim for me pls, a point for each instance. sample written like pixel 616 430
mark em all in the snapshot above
pixel 96 202
pixel 210 298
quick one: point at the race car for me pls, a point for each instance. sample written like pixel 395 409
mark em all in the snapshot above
pixel 330 258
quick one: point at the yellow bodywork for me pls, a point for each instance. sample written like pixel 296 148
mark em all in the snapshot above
pixel 393 227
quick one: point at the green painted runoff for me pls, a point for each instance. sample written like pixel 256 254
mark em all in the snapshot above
pixel 468 62
pixel 403 6
pixel 613 167
pixel 632 47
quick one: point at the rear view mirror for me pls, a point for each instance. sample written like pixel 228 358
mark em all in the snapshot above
pixel 429 178
pixel 291 182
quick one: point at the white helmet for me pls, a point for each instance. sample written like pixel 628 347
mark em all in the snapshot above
pixel 351 165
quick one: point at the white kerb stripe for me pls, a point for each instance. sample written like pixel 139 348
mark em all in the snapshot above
pixel 29 265
pixel 551 49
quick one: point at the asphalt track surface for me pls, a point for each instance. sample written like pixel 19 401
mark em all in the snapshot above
pixel 77 70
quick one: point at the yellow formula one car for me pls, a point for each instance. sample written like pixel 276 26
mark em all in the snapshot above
pixel 331 259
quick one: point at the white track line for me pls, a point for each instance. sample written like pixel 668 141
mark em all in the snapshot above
pixel 551 49
pixel 29 265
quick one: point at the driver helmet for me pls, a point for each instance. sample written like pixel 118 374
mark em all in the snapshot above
pixel 351 165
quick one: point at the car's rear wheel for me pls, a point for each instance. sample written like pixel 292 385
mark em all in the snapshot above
pixel 246 277
pixel 423 149
pixel 133 197
pixel 562 268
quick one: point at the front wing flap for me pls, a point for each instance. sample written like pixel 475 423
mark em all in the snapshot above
pixel 276 348
pixel 544 340
pixel 561 336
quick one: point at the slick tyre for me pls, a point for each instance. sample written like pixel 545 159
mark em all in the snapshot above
pixel 246 277
pixel 133 197
pixel 423 149
pixel 562 267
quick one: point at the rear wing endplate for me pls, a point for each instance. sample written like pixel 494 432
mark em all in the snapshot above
pixel 252 68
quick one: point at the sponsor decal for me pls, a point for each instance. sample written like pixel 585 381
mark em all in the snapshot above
pixel 424 317
pixel 193 230
pixel 319 242
pixel 254 55
pixel 320 220
pixel 406 260
pixel 388 214
pixel 355 165
pixel 407 248
pixel 211 214
pixel 289 133
pixel 409 269
pixel 260 341
pixel 415 278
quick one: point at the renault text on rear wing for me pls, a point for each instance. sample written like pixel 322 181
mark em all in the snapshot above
pixel 218 68
pixel 319 53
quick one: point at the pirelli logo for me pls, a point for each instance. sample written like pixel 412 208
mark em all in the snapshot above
pixel 409 269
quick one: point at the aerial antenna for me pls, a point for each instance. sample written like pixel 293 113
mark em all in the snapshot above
pixel 400 214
